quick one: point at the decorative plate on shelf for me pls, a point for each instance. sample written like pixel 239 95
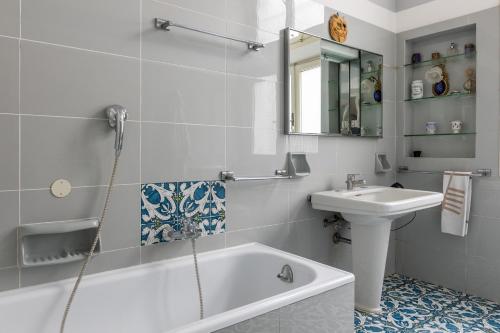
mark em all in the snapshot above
pixel 439 88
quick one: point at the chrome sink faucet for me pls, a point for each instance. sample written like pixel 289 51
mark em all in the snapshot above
pixel 352 182
pixel 189 230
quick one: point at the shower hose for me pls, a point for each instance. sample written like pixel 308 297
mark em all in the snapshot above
pixel 92 248
pixel 94 244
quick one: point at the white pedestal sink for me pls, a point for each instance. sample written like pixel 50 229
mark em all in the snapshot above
pixel 371 210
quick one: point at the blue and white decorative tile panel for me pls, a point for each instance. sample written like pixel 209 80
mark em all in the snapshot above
pixel 410 305
pixel 164 205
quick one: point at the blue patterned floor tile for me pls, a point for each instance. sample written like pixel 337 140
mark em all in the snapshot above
pixel 411 305
pixel 492 322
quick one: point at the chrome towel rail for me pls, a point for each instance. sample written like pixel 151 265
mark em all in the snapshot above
pixel 163 24
pixel 229 176
pixel 477 173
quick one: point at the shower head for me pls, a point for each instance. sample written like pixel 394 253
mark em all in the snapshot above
pixel 117 115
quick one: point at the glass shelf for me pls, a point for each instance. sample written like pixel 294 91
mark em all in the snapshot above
pixel 441 60
pixel 440 134
pixel 461 94
pixel 370 105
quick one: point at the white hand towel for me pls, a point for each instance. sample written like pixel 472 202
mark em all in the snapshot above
pixel 457 189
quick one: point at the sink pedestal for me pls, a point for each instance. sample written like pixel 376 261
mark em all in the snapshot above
pixel 370 242
pixel 371 210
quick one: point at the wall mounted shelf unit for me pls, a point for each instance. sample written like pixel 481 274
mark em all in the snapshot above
pixel 458 103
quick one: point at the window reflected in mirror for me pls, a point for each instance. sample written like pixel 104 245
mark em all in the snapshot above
pixel 324 93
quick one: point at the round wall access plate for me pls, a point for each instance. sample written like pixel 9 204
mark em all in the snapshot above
pixel 60 188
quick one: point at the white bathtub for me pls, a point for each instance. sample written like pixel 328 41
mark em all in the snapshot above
pixel 238 283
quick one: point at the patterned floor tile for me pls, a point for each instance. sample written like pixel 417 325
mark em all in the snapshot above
pixel 410 305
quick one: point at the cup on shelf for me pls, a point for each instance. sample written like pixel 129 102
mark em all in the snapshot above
pixel 431 127
pixel 456 126
pixel 417 153
pixel 469 50
pixel 436 58
pixel 416 58
pixel 417 89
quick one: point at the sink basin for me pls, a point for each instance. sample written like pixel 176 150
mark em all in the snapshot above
pixel 371 210
pixel 376 201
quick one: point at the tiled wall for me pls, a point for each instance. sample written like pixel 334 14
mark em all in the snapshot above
pixel 470 264
pixel 197 105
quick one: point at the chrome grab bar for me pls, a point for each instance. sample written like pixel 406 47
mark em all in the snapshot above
pixel 229 176
pixel 477 173
pixel 163 24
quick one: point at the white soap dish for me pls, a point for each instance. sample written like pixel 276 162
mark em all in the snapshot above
pixel 60 242
pixel 382 164
pixel 297 165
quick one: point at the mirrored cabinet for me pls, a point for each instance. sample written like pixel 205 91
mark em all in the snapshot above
pixel 331 89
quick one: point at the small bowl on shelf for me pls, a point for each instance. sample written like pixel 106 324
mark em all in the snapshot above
pixel 431 127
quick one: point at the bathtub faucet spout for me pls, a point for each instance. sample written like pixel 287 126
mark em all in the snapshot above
pixel 189 230
pixel 286 274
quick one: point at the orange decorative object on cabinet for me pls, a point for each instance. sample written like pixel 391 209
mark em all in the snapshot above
pixel 338 28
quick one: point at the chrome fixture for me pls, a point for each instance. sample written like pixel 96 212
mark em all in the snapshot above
pixel 352 182
pixel 229 176
pixel 297 166
pixel 189 230
pixel 338 223
pixel 477 173
pixel 336 238
pixel 336 220
pixel 163 24
pixel 117 115
pixel 286 274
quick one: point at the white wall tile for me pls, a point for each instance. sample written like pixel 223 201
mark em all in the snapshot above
pixel 215 8
pixel 255 151
pixel 9 18
pixel 9 278
pixel 182 95
pixel 9 75
pixel 9 220
pixel 264 64
pixel 181 152
pixel 269 15
pixel 101 25
pixel 482 278
pixel 180 46
pixel 254 103
pixel 79 150
pixel 51 84
pixel 9 152
pixel 256 204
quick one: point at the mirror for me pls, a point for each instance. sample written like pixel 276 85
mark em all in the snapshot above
pixel 331 89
